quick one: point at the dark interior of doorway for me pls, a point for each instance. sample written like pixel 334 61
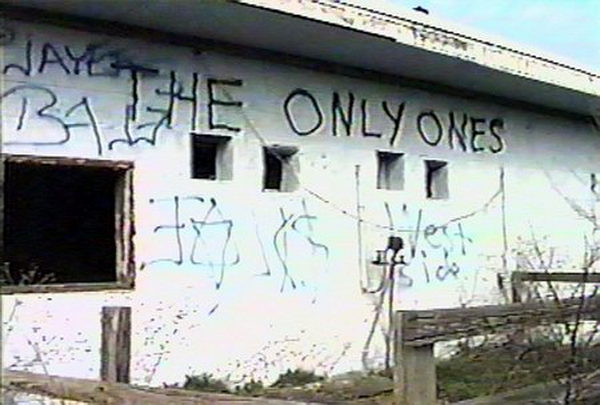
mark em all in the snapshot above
pixel 60 223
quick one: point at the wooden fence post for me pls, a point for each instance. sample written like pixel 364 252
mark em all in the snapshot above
pixel 414 370
pixel 416 332
pixel 2 251
pixel 516 284
pixel 116 344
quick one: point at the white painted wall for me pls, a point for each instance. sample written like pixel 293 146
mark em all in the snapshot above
pixel 297 296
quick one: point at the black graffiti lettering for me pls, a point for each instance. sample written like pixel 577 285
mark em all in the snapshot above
pixel 213 309
pixel 463 238
pixel 420 127
pixel 26 70
pixel 93 123
pixel 459 132
pixel 71 62
pixel 262 252
pixel 439 240
pixel 79 60
pixel 24 102
pixel 220 223
pixel 162 122
pixel 96 58
pixel 51 56
pixel 126 129
pixel 119 63
pixel 315 105
pixel 448 238
pixel 280 246
pixel 415 236
pixel 176 226
pixel 310 219
pixel 309 235
pixel 85 104
pixel 292 225
pixel 396 119
pixel 428 233
pixel 135 96
pixel 475 133
pixel 346 116
pixel 212 219
pixel 445 270
pixel 390 217
pixel 194 100
pixel 212 102
pixel 134 73
pixel 130 116
pixel 129 66
pixel 497 125
pixel 174 89
pixel 463 132
pixel 363 112
pixel 48 101
pixel 129 139
pixel 175 94
pixel 132 111
pixel 132 140
pixel 398 267
pixel 425 267
pixel 114 61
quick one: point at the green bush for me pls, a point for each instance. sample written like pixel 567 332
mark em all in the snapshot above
pixel 296 378
pixel 250 388
pixel 204 382
pixel 491 368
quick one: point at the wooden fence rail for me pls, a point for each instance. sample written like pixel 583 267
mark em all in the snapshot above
pixel 417 331
pixel 519 278
pixel 110 393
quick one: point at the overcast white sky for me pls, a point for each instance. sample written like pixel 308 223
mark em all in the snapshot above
pixel 569 29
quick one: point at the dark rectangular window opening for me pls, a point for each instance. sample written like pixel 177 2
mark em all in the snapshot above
pixel 436 179
pixel 390 171
pixel 280 168
pixel 273 171
pixel 211 157
pixel 64 224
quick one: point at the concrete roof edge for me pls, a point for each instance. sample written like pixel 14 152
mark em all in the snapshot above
pixel 432 36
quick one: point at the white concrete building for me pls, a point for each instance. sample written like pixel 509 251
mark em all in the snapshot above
pixel 233 172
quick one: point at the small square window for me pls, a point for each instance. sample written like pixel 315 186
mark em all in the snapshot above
pixel 280 168
pixel 390 171
pixel 436 179
pixel 211 157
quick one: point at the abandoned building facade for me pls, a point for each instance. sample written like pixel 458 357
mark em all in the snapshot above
pixel 261 194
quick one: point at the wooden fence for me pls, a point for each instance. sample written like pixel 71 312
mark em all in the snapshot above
pixel 110 393
pixel 113 387
pixel 519 278
pixel 417 331
pixel 115 354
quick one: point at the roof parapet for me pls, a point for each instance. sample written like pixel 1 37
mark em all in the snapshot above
pixel 413 31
